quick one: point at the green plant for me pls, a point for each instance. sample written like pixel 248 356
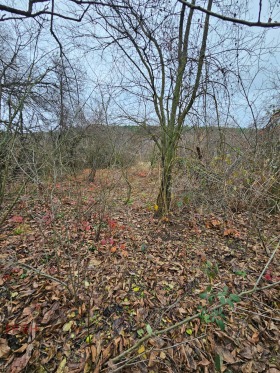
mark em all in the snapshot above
pixel 224 298
pixel 241 273
pixel 19 230
pixel 211 270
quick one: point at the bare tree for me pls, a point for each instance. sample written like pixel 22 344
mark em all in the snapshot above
pixel 165 46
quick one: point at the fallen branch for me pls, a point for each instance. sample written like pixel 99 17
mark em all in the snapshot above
pixel 26 266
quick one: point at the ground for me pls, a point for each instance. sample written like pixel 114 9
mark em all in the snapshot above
pixel 109 273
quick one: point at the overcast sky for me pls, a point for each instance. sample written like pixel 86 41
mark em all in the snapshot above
pixel 257 82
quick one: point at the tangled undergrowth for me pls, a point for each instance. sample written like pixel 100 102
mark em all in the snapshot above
pixel 84 277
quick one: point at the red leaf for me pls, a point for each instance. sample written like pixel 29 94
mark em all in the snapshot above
pixel 17 219
pixel 122 246
pixel 47 218
pixel 86 226
pixel 112 224
pixel 267 276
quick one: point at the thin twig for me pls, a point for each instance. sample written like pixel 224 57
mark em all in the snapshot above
pixel 42 274
pixel 267 264
pixel 238 309
pixel 263 243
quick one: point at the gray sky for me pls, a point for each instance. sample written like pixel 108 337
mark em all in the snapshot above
pixel 102 69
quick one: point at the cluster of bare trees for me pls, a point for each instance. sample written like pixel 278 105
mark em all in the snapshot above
pixel 176 63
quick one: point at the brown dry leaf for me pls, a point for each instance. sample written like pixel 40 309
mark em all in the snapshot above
pixel 191 363
pixel 227 356
pixel 51 352
pixel 21 362
pixel 106 353
pixel 152 359
pixel 231 232
pixel 48 315
pixel 246 353
pixel 4 348
pixel 273 370
pixel 93 353
pixel 97 368
pixel 182 311
pixel 157 342
pixel 247 368
pixel 22 348
pixel 32 329
pixel 88 363
pixel 213 223
pixel 94 262
pixel 26 311
pixel 255 337
pixel 202 256
pixel 112 366
pixel 204 362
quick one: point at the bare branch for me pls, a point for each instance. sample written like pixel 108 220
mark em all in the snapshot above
pixel 30 14
pixel 231 19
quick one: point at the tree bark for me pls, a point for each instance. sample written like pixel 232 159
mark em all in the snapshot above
pixel 164 195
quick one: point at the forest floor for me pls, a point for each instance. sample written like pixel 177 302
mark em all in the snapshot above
pixel 92 299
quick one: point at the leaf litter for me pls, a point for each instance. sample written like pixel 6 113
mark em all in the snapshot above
pixel 142 275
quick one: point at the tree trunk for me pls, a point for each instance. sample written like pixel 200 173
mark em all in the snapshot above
pixel 164 195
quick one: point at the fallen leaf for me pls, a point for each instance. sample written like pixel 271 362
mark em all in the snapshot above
pixel 21 349
pixel 247 368
pixel 61 366
pixel 152 359
pixel 231 232
pixel 227 356
pixel 16 219
pixel 255 337
pixel 68 326
pixel 89 338
pixel 93 353
pixel 204 362
pixel 268 276
pixel 94 262
pixel 141 349
pixel 4 348
pixel 20 363
pixel 49 314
